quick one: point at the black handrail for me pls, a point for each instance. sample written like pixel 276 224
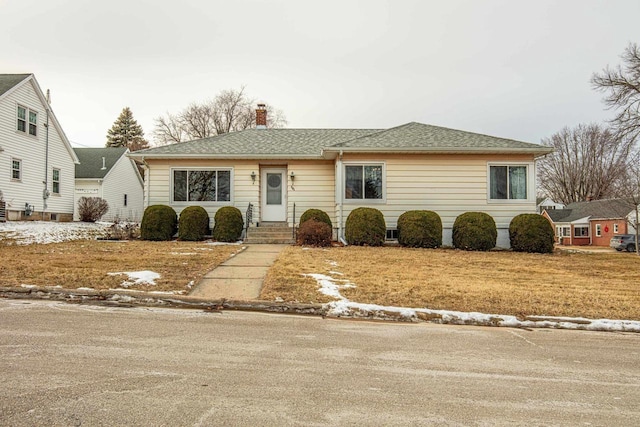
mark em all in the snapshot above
pixel 249 219
pixel 294 222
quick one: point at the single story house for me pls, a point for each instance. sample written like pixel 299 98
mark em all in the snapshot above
pixel 277 174
pixel 37 162
pixel 109 174
pixel 593 222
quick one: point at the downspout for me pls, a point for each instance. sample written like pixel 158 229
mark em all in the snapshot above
pixel 45 192
pixel 339 187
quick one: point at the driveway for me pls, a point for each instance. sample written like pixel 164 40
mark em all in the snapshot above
pixel 83 365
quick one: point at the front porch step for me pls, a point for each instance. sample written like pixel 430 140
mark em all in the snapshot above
pixel 270 234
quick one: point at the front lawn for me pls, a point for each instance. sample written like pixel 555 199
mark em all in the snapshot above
pixel 86 263
pixel 498 282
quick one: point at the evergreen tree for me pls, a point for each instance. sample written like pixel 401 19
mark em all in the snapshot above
pixel 126 132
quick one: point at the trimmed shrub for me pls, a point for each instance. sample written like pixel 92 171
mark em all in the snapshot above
pixel 314 233
pixel 531 233
pixel 316 214
pixel 365 226
pixel 474 231
pixel 420 229
pixel 159 222
pixel 193 223
pixel 228 224
pixel 92 209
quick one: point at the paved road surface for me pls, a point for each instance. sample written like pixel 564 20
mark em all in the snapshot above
pixel 82 365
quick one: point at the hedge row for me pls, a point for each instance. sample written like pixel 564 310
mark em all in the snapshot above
pixel 160 222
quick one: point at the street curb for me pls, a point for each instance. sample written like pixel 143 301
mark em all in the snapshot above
pixel 129 298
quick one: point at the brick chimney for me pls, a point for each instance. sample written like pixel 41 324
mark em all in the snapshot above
pixel 261 117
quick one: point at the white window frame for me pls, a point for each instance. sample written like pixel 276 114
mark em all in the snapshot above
pixel 598 230
pixel 530 182
pixel 19 179
pixel 364 201
pixel 615 228
pixel 27 120
pixel 575 234
pixel 54 181
pixel 203 203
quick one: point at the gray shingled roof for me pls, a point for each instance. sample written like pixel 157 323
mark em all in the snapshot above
pixel 423 137
pixel 310 143
pixel 91 161
pixel 596 209
pixel 7 81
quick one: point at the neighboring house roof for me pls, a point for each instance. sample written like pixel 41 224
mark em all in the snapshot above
pixel 9 81
pixel 595 209
pixel 91 165
pixel 314 143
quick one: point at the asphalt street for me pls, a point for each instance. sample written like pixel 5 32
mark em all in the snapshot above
pixel 63 364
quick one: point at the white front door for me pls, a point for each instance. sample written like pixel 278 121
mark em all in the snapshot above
pixel 274 194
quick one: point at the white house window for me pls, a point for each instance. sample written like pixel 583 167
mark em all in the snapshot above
pixel 125 200
pixel 363 182
pixel 211 185
pixel 55 181
pixel 581 231
pixel 16 169
pixel 508 182
pixel 598 230
pixel 23 114
pixel 615 228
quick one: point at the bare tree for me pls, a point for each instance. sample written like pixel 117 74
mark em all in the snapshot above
pixel 230 111
pixel 587 162
pixel 622 87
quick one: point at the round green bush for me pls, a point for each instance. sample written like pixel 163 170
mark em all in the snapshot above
pixel 420 229
pixel 159 222
pixel 193 223
pixel 228 224
pixel 531 233
pixel 314 233
pixel 474 231
pixel 316 214
pixel 365 226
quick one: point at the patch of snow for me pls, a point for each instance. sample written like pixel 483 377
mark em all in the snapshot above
pixel 43 232
pixel 183 253
pixel 345 307
pixel 337 273
pixel 239 242
pixel 122 298
pixel 84 289
pixel 138 277
pixel 28 286
pixel 333 263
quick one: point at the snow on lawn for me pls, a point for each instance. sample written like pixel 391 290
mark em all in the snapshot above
pixel 138 277
pixel 344 307
pixel 30 232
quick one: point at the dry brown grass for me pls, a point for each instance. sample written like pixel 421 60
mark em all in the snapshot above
pixel 85 263
pixel 502 282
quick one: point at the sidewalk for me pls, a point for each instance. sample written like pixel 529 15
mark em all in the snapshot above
pixel 240 277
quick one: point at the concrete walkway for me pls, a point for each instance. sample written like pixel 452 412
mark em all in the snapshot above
pixel 240 277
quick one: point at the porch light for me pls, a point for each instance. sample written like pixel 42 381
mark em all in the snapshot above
pixel 253 177
pixel 293 176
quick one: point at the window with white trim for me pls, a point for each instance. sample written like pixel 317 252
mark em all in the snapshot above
pixel 508 182
pixel 581 231
pixel 27 117
pixel 55 181
pixel 615 228
pixel 598 230
pixel 16 169
pixel 205 185
pixel 363 181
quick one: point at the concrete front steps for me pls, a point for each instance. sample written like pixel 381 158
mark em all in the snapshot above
pixel 270 233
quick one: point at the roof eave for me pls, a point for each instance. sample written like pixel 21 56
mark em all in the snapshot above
pixel 441 150
pixel 142 156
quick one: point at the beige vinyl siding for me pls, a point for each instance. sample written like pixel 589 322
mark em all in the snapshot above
pixel 31 150
pixel 313 188
pixel 243 190
pixel 447 184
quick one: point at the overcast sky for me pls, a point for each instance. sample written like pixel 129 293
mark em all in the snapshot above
pixel 514 69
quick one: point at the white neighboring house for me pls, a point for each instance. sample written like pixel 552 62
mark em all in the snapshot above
pixel 547 204
pixel 37 162
pixel 109 174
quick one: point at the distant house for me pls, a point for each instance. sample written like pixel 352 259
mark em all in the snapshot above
pixel 277 174
pixel 545 203
pixel 108 173
pixel 592 223
pixel 37 162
